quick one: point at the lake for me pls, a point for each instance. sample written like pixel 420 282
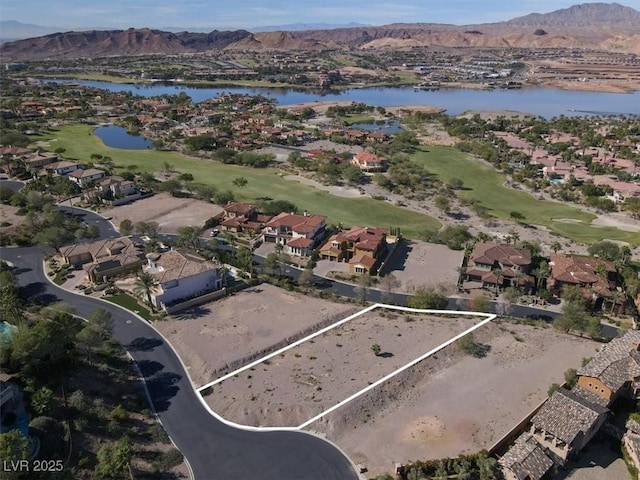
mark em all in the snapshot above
pixel 544 102
pixel 118 137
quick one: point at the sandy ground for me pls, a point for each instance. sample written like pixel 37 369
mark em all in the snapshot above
pixel 170 212
pixel 314 376
pixel 8 215
pixel 617 220
pixel 456 404
pixel 338 191
pixel 419 264
pixel 212 337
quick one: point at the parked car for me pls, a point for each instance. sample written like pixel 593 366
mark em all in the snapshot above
pixel 214 233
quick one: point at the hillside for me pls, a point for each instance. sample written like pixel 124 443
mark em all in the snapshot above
pixel 596 25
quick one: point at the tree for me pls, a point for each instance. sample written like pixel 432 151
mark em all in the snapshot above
pixel 101 320
pixel 54 237
pixel 305 279
pixel 93 231
pixel 556 246
pixel 427 298
pixel 144 285
pixel 43 348
pixel 13 448
pixel 245 259
pixel 188 236
pixel 375 348
pixel 114 461
pixel 41 400
pixel 272 262
pixel 240 182
pixel 362 288
pixel 455 184
pixel 605 249
pixel 553 389
pixel 126 227
pixel 388 283
pixel 517 216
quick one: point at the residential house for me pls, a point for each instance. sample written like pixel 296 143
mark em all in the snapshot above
pixel 363 247
pixel 40 159
pixel 525 460
pixel 105 258
pixel 566 423
pixel 83 177
pixel 368 162
pixel 614 371
pixel 631 442
pixel 243 217
pixel 181 275
pixel 63 167
pixel 499 265
pixel 595 276
pixel 286 227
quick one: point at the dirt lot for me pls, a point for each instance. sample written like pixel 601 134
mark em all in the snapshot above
pixel 211 337
pixel 419 263
pixel 9 219
pixel 454 404
pixel 314 376
pixel 170 212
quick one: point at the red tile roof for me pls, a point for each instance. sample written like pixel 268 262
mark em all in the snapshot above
pixel 489 253
pixel 300 242
pixel 363 259
pixel 576 270
pixel 297 223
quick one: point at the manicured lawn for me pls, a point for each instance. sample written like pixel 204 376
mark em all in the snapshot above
pixel 131 304
pixel 484 184
pixel 353 119
pixel 80 143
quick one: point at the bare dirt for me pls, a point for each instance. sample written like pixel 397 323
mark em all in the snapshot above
pixel 308 379
pixel 221 336
pixel 455 403
pixel 170 212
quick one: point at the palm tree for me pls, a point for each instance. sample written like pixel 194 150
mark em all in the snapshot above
pixel 555 246
pixel 143 286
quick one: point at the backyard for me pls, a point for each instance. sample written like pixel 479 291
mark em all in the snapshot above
pixel 79 143
pixel 485 185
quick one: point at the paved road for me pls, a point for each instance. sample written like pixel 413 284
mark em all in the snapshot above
pixel 214 449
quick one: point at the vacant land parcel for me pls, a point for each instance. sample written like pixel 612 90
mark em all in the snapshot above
pixel 306 380
pixel 223 336
pixel 454 403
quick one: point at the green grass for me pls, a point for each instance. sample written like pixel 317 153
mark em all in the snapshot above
pixel 80 143
pixel 96 77
pixel 484 184
pixel 131 304
pixel 353 119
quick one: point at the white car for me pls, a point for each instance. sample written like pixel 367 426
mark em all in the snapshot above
pixel 214 233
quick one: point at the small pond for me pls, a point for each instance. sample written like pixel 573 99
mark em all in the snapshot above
pixel 118 137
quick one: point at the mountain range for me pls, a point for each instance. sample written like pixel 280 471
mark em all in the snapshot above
pixel 605 26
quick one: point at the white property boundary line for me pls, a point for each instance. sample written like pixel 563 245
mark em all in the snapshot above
pixel 488 318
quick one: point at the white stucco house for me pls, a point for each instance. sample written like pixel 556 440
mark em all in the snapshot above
pixel 181 275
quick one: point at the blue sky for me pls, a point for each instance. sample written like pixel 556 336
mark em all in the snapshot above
pixel 230 14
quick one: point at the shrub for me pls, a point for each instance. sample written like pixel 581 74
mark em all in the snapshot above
pixel 169 459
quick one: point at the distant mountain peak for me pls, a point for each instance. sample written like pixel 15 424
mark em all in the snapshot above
pixel 583 14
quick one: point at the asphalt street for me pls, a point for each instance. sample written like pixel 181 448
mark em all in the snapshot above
pixel 214 450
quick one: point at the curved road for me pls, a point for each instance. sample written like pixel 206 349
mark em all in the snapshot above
pixel 213 449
